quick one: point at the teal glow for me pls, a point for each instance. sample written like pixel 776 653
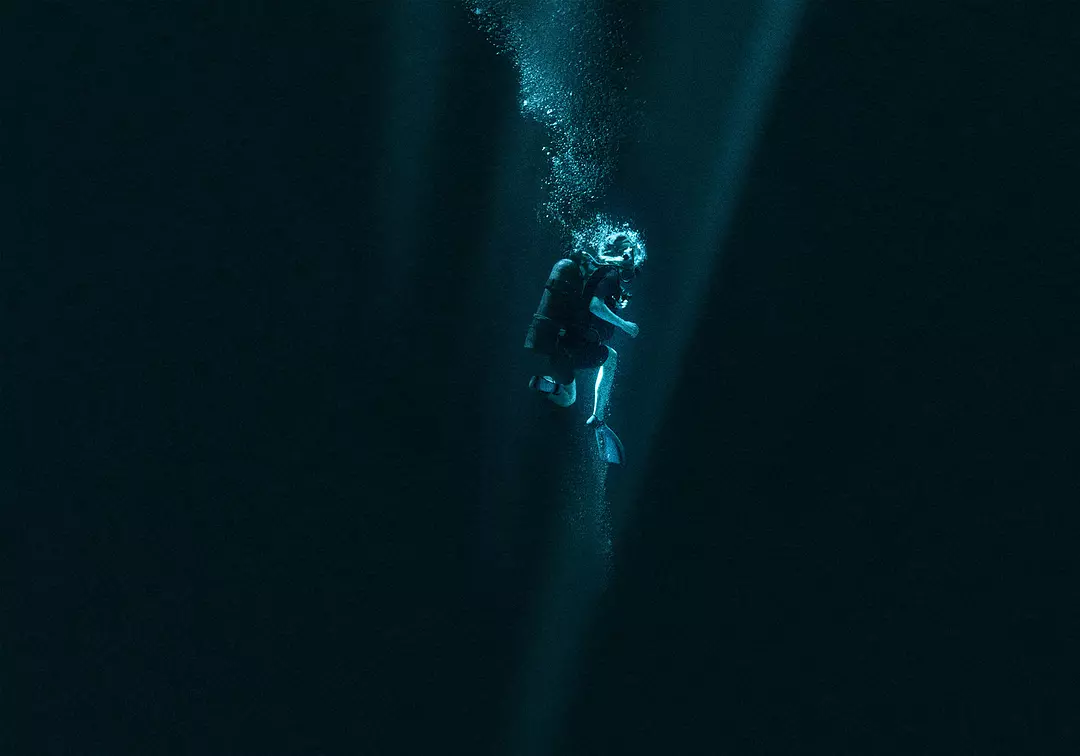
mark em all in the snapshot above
pixel 570 60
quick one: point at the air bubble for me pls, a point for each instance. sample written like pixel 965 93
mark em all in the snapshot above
pixel 569 57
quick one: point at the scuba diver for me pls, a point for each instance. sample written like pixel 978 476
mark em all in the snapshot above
pixel 577 314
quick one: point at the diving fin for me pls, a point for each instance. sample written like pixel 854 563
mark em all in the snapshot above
pixel 610 447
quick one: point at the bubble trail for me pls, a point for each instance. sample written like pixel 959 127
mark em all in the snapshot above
pixel 572 59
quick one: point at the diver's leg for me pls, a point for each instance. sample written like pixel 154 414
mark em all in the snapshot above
pixel 610 447
pixel 566 395
pixel 562 375
pixel 604 378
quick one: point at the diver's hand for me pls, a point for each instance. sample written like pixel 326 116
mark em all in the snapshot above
pixel 631 329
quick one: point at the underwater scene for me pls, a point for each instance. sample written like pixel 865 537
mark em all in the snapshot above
pixel 539 377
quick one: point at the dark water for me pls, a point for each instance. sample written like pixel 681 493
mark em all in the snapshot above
pixel 275 483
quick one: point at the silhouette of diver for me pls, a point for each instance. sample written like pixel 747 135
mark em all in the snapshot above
pixel 575 317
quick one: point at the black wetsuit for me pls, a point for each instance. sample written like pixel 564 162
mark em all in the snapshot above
pixel 563 328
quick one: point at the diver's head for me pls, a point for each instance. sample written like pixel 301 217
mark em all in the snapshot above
pixel 618 250
pixel 624 252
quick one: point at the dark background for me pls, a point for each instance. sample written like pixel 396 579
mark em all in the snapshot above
pixel 275 485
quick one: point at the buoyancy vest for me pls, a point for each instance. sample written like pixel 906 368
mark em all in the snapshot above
pixel 564 307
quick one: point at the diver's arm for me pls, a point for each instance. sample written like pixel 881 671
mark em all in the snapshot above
pixel 602 311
